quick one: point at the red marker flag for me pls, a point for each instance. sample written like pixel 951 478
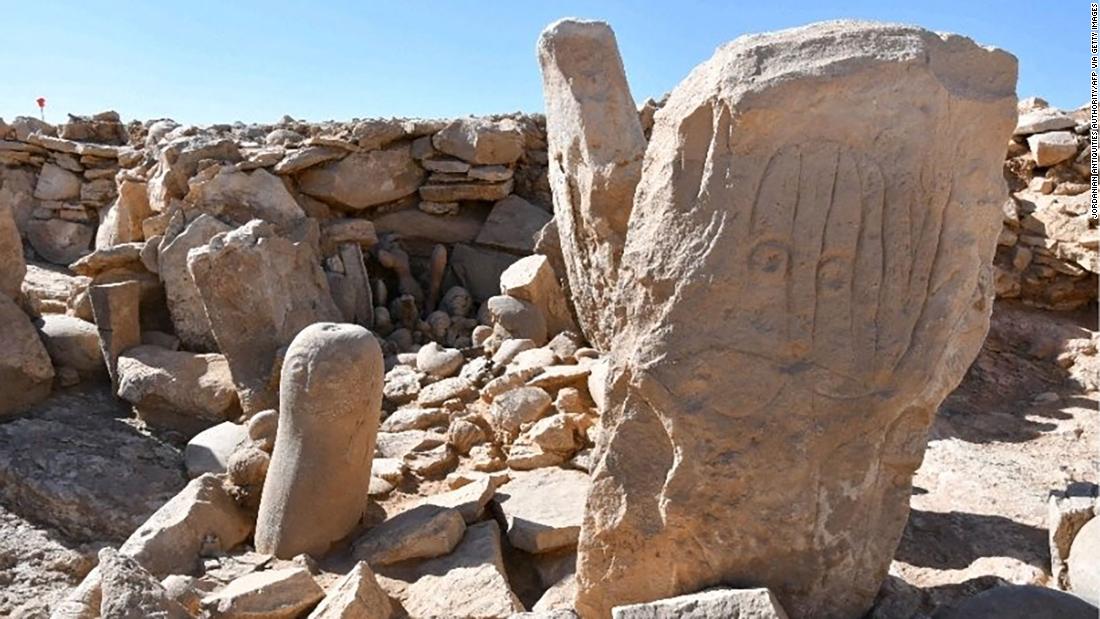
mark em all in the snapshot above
pixel 41 101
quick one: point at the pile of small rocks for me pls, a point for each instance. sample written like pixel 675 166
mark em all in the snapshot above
pixel 1048 254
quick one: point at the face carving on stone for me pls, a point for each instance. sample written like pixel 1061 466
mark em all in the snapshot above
pixel 823 297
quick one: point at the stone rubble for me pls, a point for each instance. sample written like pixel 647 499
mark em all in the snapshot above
pixel 374 339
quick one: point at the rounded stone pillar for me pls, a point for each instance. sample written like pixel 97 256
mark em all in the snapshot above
pixel 330 398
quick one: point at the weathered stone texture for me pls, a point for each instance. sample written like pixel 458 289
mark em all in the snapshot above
pixel 595 147
pixel 807 274
pixel 329 404
pixel 276 289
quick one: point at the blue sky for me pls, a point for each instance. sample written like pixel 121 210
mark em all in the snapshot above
pixel 201 61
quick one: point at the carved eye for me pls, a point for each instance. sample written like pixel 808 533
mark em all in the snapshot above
pixel 769 257
pixel 833 273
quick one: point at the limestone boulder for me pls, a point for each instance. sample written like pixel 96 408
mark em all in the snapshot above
pixel 302 158
pixel 209 450
pixel 128 591
pixel 59 241
pixel 595 139
pixel 481 141
pixel 740 334
pixel 178 390
pixel 754 603
pixel 184 301
pixel 512 225
pixel 202 517
pixel 178 161
pixel 442 193
pixel 26 373
pixel 1084 564
pixel 239 197
pixel 116 308
pixel 543 509
pixel 72 343
pixel 12 265
pixel 516 318
pixel 49 290
pixel 404 419
pixel 365 179
pixel 1041 120
pixel 437 361
pixel 57 184
pixel 422 532
pixel 479 269
pixel 330 399
pixel 468 500
pixel 355 596
pixel 471 581
pixel 272 594
pixel 1052 148
pixel 278 289
pixel 532 279
pixel 513 409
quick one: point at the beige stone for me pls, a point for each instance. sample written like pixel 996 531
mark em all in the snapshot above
pixel 239 197
pixel 544 508
pixel 116 308
pixel 1084 566
pixel 1051 148
pixel 513 224
pixel 330 400
pixel 185 304
pixel 801 295
pixel 595 148
pixel 128 591
pixel 422 532
pixel 468 500
pixel 177 390
pixel 284 593
pixel 72 343
pixel 59 241
pixel 26 373
pixel 516 318
pixel 56 183
pixel 355 596
pixel 276 290
pixel 739 603
pixel 512 409
pixel 469 582
pixel 481 141
pixel 455 192
pixel 203 516
pixel 12 265
pixel 362 180
pixel 532 279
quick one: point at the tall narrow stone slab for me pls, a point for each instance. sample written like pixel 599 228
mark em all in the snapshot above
pixel 807 274
pixel 259 290
pixel 184 301
pixel 596 146
pixel 117 318
pixel 330 400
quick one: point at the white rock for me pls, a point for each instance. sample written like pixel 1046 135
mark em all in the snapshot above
pixel 544 508
pixel 743 603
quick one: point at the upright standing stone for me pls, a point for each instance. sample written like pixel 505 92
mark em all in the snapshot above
pixel 806 275
pixel 184 300
pixel 330 400
pixel 117 318
pixel 259 290
pixel 596 146
pixel 12 265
